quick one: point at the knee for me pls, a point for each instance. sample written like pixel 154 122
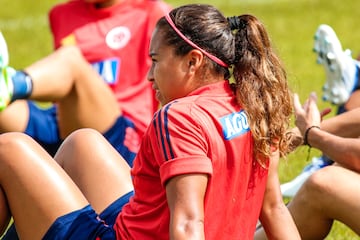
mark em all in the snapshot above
pixel 78 143
pixel 81 136
pixel 70 53
pixel 320 181
pixel 11 142
pixel 14 146
pixel 80 140
pixel 316 186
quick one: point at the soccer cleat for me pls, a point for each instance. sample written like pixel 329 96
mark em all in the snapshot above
pixel 4 56
pixel 6 73
pixel 340 68
pixel 289 189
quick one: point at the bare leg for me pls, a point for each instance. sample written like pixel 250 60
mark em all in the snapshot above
pixel 354 101
pixel 37 190
pixel 34 186
pixel 67 78
pixel 330 193
pixel 17 110
pixel 96 167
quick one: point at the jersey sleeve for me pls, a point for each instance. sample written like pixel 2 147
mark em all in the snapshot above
pixel 59 16
pixel 182 141
pixel 53 24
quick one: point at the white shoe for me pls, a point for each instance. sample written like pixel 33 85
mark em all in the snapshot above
pixel 340 68
pixel 4 55
pixel 6 73
pixel 289 189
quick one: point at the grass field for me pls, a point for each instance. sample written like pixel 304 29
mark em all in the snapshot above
pixel 291 25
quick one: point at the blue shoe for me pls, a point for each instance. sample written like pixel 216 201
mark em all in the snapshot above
pixel 340 68
pixel 6 73
pixel 289 189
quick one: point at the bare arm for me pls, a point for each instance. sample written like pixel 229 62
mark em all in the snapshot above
pixel 185 196
pixel 345 151
pixel 344 125
pixel 275 217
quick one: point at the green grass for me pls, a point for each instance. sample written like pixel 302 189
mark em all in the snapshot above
pixel 291 25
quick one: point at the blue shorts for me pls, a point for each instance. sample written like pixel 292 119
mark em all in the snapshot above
pixel 85 224
pixel 43 127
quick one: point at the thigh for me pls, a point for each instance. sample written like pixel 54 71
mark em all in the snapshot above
pixel 17 110
pixel 36 187
pixel 341 196
pixel 88 101
pixel 107 176
pixel 329 194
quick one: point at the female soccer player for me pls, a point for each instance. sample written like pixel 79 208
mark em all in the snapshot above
pixel 207 165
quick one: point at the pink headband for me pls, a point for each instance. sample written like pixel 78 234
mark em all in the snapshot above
pixel 212 57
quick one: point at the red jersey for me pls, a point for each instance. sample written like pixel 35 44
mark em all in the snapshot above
pixel 115 40
pixel 205 132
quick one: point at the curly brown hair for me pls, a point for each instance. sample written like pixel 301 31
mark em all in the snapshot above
pixel 260 81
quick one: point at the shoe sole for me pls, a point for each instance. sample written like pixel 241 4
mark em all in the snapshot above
pixel 330 54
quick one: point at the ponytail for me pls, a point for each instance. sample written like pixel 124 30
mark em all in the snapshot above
pixel 261 86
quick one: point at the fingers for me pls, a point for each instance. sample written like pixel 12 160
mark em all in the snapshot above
pixel 297 105
pixel 308 114
pixel 313 97
pixel 300 114
pixel 325 112
pixel 310 102
pixel 313 112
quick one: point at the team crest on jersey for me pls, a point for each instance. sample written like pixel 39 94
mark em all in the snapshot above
pixel 108 69
pixel 118 37
pixel 234 124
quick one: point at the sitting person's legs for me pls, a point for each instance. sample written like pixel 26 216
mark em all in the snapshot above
pixel 34 186
pixel 82 99
pixel 38 190
pixel 65 77
pixel 329 194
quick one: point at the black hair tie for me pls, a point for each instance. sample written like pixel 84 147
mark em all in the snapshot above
pixel 236 23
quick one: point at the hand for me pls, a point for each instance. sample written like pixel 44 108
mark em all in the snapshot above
pixel 296 139
pixel 307 115
pixel 325 112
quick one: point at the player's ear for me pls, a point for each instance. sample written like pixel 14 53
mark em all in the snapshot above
pixel 195 59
